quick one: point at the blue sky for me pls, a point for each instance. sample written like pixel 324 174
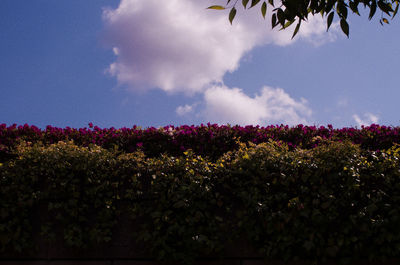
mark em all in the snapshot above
pixel 135 62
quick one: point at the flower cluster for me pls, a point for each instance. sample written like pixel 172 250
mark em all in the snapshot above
pixel 210 140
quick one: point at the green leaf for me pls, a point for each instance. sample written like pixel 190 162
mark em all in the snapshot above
pixel 244 3
pixel 271 2
pixel 254 2
pixel 344 26
pixel 296 29
pixel 287 24
pixel 330 19
pixel 216 7
pixel 264 9
pixel 232 14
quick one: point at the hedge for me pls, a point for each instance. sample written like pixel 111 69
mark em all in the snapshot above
pixel 334 201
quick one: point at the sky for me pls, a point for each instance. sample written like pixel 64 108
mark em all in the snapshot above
pixel 119 63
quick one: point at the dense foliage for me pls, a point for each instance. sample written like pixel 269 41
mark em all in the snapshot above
pixel 333 201
pixel 208 140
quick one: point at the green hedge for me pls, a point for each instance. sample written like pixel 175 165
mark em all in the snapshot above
pixel 335 201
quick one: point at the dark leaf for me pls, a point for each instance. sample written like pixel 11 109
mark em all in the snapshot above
pixel 354 7
pixel 372 10
pixel 244 3
pixel 232 14
pixel 344 26
pixel 385 7
pixel 330 19
pixel 329 5
pixel 273 21
pixel 281 17
pixel 271 2
pixel 342 10
pixel 254 2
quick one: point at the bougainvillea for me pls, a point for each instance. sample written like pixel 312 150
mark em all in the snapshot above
pixel 209 140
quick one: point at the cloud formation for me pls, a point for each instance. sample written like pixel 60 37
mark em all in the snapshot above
pixel 271 105
pixel 179 46
pixel 183 110
pixel 369 119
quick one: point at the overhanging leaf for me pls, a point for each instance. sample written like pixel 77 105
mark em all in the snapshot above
pixel 244 3
pixel 372 10
pixel 395 10
pixel 273 21
pixel 216 7
pixel 281 17
pixel 232 14
pixel 330 19
pixel 264 9
pixel 296 29
pixel 287 24
pixel 345 27
pixel 254 2
pixel 385 7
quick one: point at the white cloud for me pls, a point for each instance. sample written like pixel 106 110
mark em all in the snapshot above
pixel 369 119
pixel 183 110
pixel 271 105
pixel 179 46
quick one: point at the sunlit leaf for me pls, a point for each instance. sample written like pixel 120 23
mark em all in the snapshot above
pixel 216 7
pixel 385 20
pixel 287 24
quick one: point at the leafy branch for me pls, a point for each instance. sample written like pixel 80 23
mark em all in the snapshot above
pixel 291 11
